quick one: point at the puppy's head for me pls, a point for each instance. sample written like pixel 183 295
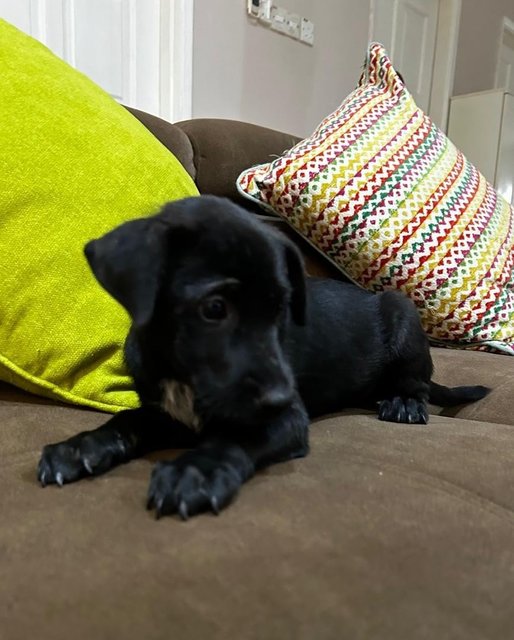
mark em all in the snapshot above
pixel 210 291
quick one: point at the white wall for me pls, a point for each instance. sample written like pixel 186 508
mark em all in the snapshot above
pixel 247 72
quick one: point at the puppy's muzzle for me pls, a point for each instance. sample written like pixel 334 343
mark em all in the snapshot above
pixel 272 393
pixel 274 399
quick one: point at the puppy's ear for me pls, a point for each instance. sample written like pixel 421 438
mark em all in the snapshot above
pixel 296 275
pixel 128 262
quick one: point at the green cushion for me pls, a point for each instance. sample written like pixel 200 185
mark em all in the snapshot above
pixel 73 164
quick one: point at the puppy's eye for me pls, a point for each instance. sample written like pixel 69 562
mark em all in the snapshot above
pixel 214 309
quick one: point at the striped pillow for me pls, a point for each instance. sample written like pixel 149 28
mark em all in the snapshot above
pixel 384 194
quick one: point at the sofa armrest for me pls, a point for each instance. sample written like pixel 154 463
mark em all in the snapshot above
pixel 214 151
pixel 172 137
pixel 224 148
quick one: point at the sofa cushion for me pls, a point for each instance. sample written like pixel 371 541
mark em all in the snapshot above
pixel 74 165
pixel 384 531
pixel 456 367
pixel 382 192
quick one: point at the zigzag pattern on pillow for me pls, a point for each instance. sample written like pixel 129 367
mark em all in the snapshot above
pixel 388 198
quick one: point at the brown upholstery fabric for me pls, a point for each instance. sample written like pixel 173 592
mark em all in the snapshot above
pixel 223 148
pixel 384 531
pixel 171 137
pixel 454 367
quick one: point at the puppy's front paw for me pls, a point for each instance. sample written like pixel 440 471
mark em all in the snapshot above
pixel 191 484
pixel 84 454
pixel 407 410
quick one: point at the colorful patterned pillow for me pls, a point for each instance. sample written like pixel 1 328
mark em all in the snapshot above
pixel 382 192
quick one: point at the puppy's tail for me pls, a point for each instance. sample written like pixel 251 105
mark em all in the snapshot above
pixel 452 396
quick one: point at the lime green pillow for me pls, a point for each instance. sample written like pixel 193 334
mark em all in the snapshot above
pixel 73 164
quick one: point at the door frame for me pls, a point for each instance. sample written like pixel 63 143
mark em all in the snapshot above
pixel 175 49
pixel 448 22
pixel 176 52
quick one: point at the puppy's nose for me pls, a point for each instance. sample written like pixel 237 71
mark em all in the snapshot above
pixel 275 398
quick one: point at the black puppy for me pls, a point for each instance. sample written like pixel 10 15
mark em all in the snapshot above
pixel 232 351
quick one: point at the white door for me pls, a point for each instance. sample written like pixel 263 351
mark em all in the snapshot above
pixel 505 63
pixel 505 167
pixel 424 57
pixel 408 29
pixel 139 51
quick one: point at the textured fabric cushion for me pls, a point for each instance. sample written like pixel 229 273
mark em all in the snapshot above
pixel 74 164
pixel 382 192
pixel 384 532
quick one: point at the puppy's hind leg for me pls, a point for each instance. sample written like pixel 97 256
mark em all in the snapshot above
pixel 404 388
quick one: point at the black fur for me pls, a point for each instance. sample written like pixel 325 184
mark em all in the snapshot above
pixel 220 306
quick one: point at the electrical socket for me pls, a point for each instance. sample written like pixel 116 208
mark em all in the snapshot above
pixel 307 32
pixel 265 11
pixel 285 22
pixel 279 19
pixel 293 22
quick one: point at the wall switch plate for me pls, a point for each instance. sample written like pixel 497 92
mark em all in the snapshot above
pixel 307 31
pixel 279 19
pixel 293 22
pixel 265 11
pixel 252 7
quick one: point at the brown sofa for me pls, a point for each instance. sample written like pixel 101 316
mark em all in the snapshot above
pixel 383 531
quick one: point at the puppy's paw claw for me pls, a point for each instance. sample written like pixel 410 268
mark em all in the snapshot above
pixel 88 466
pixel 42 477
pixel 214 505
pixel 182 509
pixel 188 487
pixel 58 465
pixel 403 410
pixel 87 453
